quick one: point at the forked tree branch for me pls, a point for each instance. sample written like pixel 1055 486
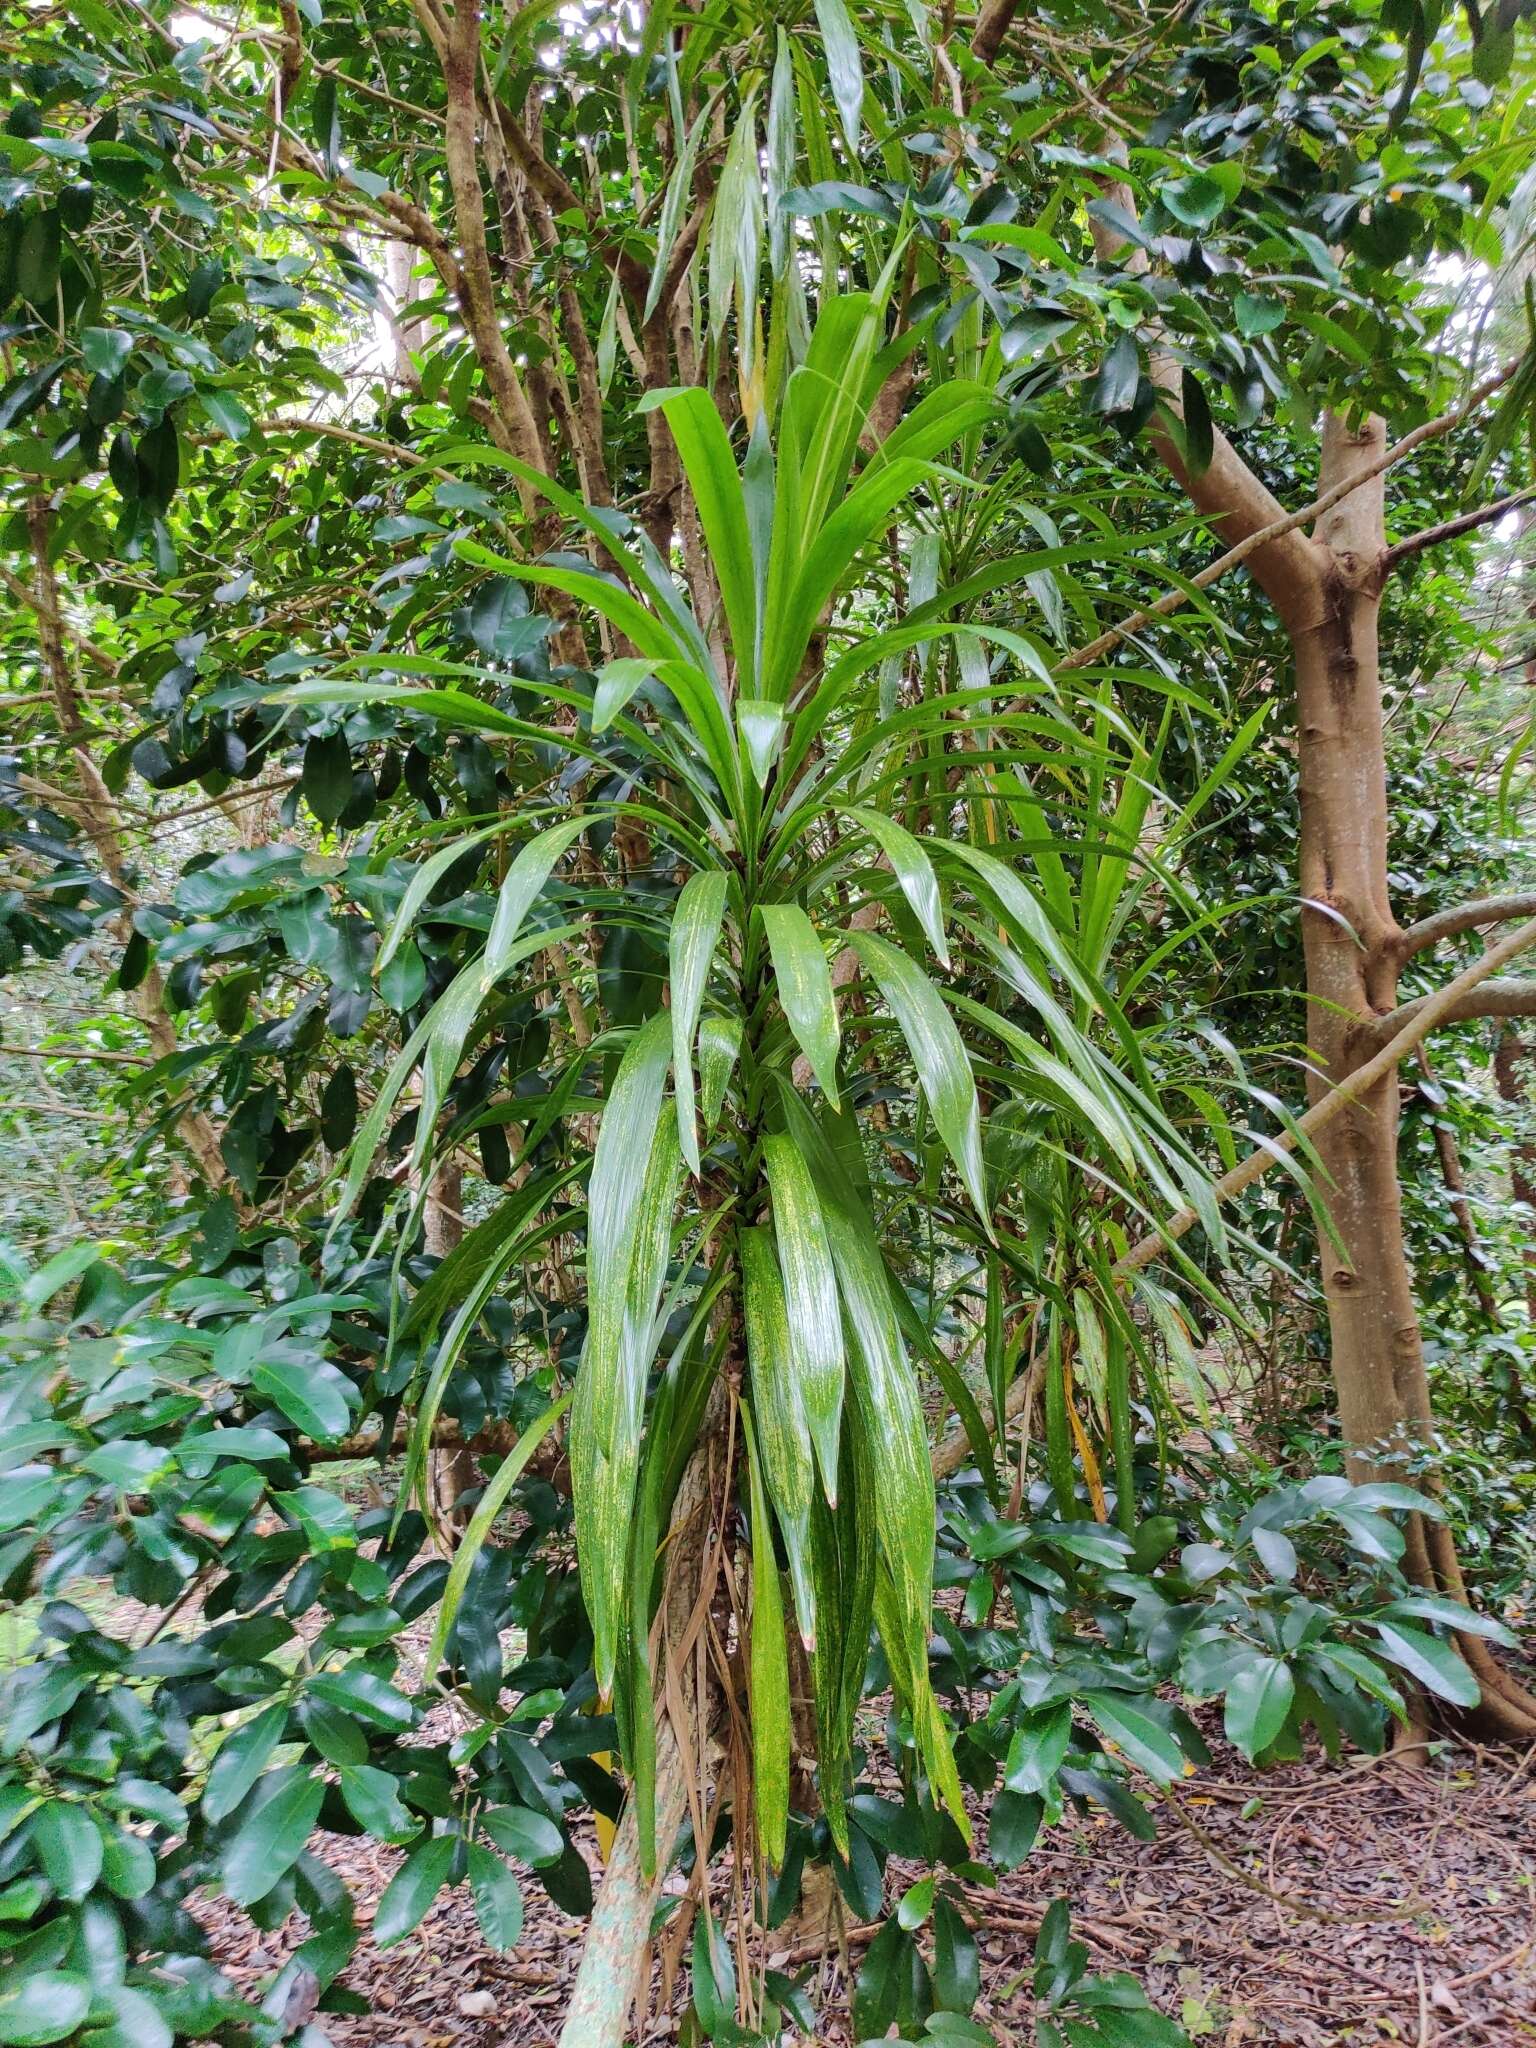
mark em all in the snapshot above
pixel 1174 600
pixel 1412 1024
pixel 56 621
pixel 1235 498
pixel 1465 917
pixel 1443 1007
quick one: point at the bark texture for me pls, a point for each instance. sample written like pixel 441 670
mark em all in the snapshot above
pixel 615 1954
pixel 1353 947
pixel 1514 1066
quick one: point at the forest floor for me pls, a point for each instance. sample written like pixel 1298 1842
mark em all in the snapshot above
pixel 1358 1901
pixel 1312 1905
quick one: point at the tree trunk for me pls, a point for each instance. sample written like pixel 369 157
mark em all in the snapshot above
pixel 1349 938
pixel 615 1955
pixel 1352 947
pixel 1512 1053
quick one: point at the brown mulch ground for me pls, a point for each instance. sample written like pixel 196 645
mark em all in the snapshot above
pixel 1406 1912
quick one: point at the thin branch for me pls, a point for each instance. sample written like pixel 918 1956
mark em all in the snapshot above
pixel 1440 1008
pixel 496 1439
pixel 1454 1176
pixel 1511 998
pixel 1465 917
pixel 71 1052
pixel 98 656
pixel 428 116
pixel 561 196
pixel 69 1109
pixel 1451 529
pixel 1410 1026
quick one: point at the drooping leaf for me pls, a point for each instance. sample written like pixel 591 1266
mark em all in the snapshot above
pixel 844 66
pixel 1433 1662
pixel 498 1898
pixel 412 1889
pixel 768 1671
pixel 272 1836
pixel 242 1757
pixel 634 1178
pixel 783 1439
pixel 812 1310
pixel 525 878
pixel 1258 1704
pixel 1148 1745
pixel 913 870
pixel 691 946
pixel 938 1052
pixel 804 986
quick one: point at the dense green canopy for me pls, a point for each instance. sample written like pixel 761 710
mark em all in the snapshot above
pixel 647 804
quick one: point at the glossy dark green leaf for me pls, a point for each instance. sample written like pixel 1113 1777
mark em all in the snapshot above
pixel 1119 376
pixel 531 1837
pixel 365 1695
pixel 70 1846
pixel 327 776
pixel 1196 201
pixel 1142 1740
pixel 498 1898
pixel 373 1798
pixel 1258 1704
pixel 242 1757
pixel 272 1835
pixel 45 2006
pixel 1038 1745
pixel 1199 431
pixel 412 1889
pixel 312 1394
pixel 37 260
pixel 956 1959
pixel 1435 1664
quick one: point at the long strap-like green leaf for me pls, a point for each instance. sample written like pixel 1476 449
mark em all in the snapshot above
pixel 939 1054
pixel 691 947
pixel 810 1293
pixel 768 1670
pixel 629 1204
pixel 804 988
pixel 781 1424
